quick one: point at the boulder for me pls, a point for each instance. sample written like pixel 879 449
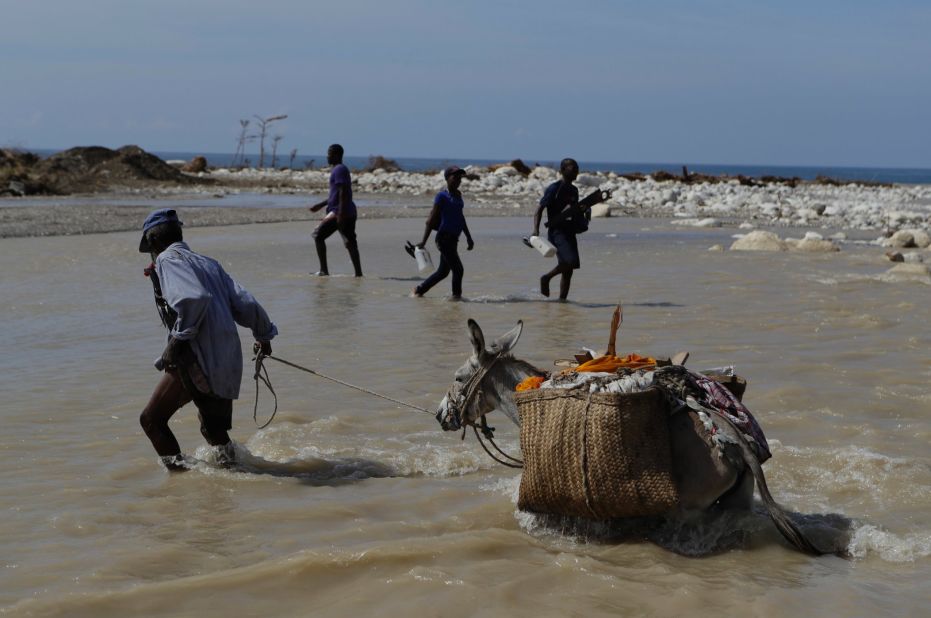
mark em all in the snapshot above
pixel 521 167
pixel 197 165
pixel 759 240
pixel 601 210
pixel 811 245
pixel 910 270
pixel 587 180
pixel 716 248
pixel 506 170
pixel 920 237
pixel 903 239
pixel 895 256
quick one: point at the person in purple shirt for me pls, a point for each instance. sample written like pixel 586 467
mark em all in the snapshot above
pixel 448 219
pixel 340 213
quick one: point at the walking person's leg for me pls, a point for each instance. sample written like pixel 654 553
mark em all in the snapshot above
pixel 567 255
pixel 348 232
pixel 442 271
pixel 564 284
pixel 169 396
pixel 455 264
pixel 323 231
pixel 216 419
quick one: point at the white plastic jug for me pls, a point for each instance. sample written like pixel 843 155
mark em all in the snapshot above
pixel 424 263
pixel 542 245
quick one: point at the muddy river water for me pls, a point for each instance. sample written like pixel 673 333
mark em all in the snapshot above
pixel 351 505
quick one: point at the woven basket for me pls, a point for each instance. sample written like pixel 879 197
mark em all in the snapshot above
pixel 597 456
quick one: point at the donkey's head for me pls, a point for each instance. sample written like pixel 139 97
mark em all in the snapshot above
pixel 486 381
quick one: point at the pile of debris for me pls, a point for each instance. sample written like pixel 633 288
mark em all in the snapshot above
pixel 84 170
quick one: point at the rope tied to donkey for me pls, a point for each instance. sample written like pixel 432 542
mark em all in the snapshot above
pixel 261 373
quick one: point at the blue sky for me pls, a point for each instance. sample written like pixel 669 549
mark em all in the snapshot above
pixel 797 83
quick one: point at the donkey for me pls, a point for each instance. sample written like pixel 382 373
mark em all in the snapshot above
pixel 707 475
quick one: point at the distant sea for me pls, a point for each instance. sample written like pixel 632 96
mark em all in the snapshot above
pixel 897 175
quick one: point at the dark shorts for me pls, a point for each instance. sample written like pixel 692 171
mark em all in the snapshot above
pixel 567 247
pixel 347 230
pixel 216 413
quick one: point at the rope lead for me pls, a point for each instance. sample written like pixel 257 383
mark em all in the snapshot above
pixel 261 373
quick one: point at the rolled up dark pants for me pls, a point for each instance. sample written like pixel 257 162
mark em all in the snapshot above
pixel 449 261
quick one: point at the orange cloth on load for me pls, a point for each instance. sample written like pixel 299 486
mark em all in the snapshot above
pixel 610 364
pixel 530 383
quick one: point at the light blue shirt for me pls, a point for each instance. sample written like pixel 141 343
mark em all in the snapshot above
pixel 209 305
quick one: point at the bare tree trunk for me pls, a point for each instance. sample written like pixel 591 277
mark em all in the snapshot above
pixel 275 141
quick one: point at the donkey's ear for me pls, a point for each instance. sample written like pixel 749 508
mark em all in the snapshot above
pixel 507 341
pixel 476 337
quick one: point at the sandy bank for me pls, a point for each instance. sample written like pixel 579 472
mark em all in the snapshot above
pixel 65 219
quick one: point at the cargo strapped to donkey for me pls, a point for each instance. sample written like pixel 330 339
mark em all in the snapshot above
pixel 595 455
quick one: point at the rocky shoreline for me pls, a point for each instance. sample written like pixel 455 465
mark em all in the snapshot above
pixel 831 207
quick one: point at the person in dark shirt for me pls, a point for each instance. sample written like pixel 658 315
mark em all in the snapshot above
pixel 563 226
pixel 340 213
pixel 448 219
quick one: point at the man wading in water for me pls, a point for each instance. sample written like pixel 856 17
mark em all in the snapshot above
pixel 565 219
pixel 201 305
pixel 340 213
pixel 449 222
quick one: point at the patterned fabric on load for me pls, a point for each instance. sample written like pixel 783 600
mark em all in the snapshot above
pixel 683 384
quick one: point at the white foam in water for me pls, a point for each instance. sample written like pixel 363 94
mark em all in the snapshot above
pixel 508 298
pixel 890 547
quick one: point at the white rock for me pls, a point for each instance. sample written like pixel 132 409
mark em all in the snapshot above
pixel 759 240
pixel 811 245
pixel 543 173
pixel 601 210
pixel 588 180
pixel 839 236
pixel 910 270
pixel 920 237
pixel 900 240
pixel 506 170
pixel 746 225
pixel 693 222
pixel 716 248
pixel 813 236
pixel 913 257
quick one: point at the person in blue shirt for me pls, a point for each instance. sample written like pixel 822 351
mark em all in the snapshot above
pixel 448 219
pixel 200 305
pixel 340 213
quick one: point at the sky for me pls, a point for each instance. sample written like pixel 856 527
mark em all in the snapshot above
pixel 820 82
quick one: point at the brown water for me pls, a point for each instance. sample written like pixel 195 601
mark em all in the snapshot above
pixel 355 506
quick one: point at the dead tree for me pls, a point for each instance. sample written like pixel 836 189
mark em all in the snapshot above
pixel 291 159
pixel 240 153
pixel 275 141
pixel 263 130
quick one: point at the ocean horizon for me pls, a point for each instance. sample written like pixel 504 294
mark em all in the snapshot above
pixel 895 175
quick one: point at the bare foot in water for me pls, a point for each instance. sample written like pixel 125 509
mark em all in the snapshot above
pixel 416 294
pixel 545 286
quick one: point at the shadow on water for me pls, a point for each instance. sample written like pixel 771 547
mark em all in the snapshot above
pixel 504 300
pixel 705 534
pixel 401 278
pixel 315 472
